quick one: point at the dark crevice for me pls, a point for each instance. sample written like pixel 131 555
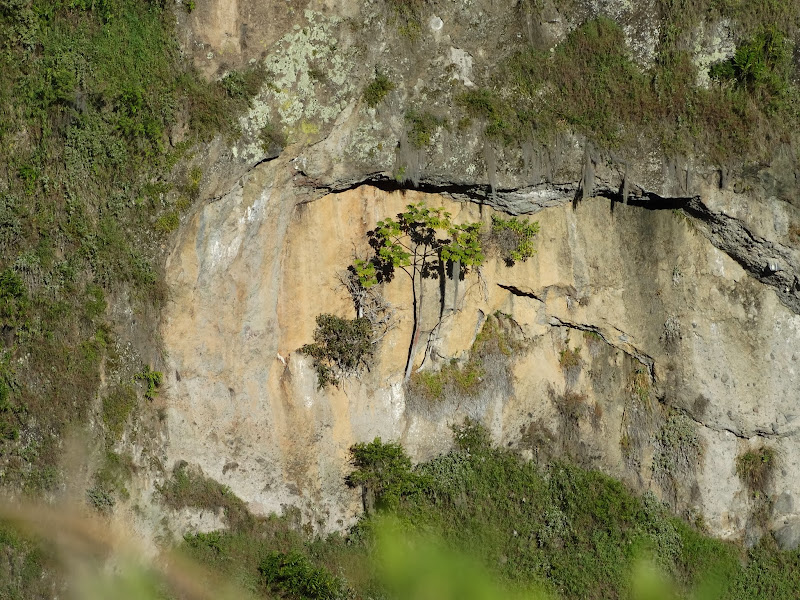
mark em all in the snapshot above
pixel 470 192
pixel 518 292
pixel 628 348
pixel 740 435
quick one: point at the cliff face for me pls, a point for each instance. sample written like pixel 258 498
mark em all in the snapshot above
pixel 656 332
pixel 684 361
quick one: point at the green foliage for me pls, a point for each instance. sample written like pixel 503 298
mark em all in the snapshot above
pixel 472 437
pixel 408 16
pixel 95 305
pixel 384 472
pixel 513 238
pixel 591 85
pixel 376 91
pixel 755 468
pixel 761 66
pixel 25 565
pixel 13 298
pixel 194 177
pixel 486 105
pixel 117 407
pixel 292 575
pixel 9 413
pixel 366 272
pixel 464 247
pixel 571 532
pixel 678 447
pixel 101 499
pixel 92 95
pixel 593 337
pixel 341 348
pixel 189 487
pixel 419 241
pixel 152 380
pixel 421 127
pixel 576 533
pixel 570 359
pixel 463 379
pixel 214 107
pixel 110 482
pixel 640 385
pixel 168 222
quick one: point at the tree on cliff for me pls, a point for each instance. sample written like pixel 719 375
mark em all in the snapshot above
pixel 419 242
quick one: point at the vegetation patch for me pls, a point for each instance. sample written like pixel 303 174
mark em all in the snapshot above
pixel 383 472
pixel 590 84
pixel 761 66
pixel 292 575
pixel 110 482
pixel 26 566
pixel 95 100
pixel 755 468
pixel 273 139
pixel 487 366
pixel 189 487
pixel 512 238
pixel 640 386
pixel 152 380
pixel 421 126
pixel 342 347
pixel 570 358
pixel 573 532
pixel 117 406
pixel 408 16
pixel 678 451
pixel 376 91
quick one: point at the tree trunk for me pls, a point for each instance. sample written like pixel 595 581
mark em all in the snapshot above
pixel 412 350
pixel 457 280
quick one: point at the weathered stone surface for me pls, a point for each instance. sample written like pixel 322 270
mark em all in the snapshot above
pixel 677 284
pixel 253 269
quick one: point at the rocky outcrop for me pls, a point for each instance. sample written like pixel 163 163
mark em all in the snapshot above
pixel 656 331
pixel 680 351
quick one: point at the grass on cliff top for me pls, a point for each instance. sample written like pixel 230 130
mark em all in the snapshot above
pixel 590 84
pixel 572 532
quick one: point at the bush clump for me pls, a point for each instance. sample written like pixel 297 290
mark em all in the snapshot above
pixel 570 359
pixel 761 66
pixel 755 468
pixel 376 91
pixel 513 238
pixel 342 347
pixel 421 127
pixel 384 473
pixel 292 575
pixel 463 378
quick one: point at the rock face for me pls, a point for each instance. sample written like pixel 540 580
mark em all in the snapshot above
pixel 655 335
pixel 682 361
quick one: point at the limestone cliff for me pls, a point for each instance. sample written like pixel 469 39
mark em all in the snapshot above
pixel 673 284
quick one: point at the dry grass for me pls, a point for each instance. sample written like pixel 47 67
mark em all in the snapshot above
pixel 755 468
pixel 485 371
pixel 591 85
